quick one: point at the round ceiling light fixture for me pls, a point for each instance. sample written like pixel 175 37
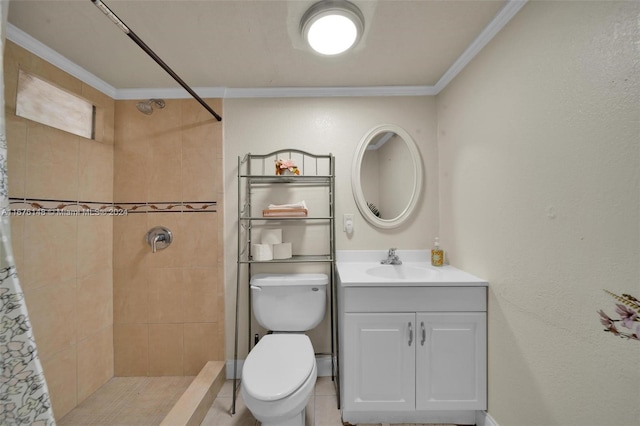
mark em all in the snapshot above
pixel 332 27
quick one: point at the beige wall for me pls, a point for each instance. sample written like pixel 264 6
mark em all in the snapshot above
pixel 64 262
pixel 539 169
pixel 168 306
pixel 321 126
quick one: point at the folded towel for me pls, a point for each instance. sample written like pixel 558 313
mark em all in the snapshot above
pixel 298 205
pixel 284 213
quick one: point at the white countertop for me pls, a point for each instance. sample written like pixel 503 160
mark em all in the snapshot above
pixel 362 268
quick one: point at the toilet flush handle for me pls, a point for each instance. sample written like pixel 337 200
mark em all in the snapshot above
pixel 256 288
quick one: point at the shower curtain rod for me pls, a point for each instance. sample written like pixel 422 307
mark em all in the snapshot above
pixel 103 7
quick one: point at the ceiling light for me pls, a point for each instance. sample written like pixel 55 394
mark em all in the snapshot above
pixel 332 26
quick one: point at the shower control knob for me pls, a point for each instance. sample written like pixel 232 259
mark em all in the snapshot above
pixel 159 238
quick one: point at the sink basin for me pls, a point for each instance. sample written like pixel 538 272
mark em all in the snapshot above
pixel 401 272
pixel 362 268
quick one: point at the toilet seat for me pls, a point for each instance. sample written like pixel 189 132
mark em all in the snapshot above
pixel 277 366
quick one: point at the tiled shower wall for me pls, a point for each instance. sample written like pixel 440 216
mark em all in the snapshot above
pixel 101 304
pixel 64 261
pixel 169 305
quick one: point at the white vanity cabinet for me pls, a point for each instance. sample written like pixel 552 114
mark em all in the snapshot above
pixel 413 354
pixel 380 362
pixel 451 361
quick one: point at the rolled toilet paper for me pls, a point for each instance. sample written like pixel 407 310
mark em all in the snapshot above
pixel 282 251
pixel 262 251
pixel 271 236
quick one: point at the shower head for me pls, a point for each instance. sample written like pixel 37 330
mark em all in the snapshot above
pixel 146 107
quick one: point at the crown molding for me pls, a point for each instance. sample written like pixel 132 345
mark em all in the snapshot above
pixel 276 92
pixel 497 23
pixel 316 92
pixel 169 93
pixel 34 46
pixel 29 43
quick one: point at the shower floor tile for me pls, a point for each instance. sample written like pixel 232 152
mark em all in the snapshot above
pixel 129 401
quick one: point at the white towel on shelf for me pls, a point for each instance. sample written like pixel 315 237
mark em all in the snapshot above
pixel 298 205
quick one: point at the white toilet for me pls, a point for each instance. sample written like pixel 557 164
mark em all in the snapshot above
pixel 280 372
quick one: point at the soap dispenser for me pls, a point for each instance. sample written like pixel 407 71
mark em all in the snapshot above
pixel 437 255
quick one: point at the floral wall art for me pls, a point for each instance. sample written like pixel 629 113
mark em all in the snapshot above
pixel 628 324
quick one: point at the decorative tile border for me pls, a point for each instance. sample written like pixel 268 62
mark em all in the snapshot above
pixel 131 207
pixel 43 207
pixel 171 207
pixel 196 207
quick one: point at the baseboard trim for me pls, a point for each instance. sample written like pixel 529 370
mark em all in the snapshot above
pixel 323 362
pixel 484 419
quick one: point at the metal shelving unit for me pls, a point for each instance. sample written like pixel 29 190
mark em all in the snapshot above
pixel 256 173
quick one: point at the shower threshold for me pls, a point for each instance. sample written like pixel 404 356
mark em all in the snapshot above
pixel 150 401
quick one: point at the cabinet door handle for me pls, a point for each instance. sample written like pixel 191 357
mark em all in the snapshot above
pixel 424 333
pixel 410 334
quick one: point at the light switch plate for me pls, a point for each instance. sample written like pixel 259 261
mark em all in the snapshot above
pixel 347 222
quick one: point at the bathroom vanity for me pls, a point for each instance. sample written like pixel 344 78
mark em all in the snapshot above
pixel 412 340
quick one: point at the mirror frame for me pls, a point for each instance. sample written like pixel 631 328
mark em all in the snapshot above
pixel 356 186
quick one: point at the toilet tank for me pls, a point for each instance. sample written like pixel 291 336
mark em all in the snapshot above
pixel 289 302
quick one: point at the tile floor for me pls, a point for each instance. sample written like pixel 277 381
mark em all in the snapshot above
pixel 129 401
pixel 145 401
pixel 322 409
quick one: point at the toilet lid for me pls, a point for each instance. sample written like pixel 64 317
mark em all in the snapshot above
pixel 277 366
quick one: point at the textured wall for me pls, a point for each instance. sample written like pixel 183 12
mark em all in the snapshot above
pixel 539 169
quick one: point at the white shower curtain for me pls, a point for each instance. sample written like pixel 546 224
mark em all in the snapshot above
pixel 24 399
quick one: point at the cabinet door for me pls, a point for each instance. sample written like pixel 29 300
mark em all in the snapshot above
pixel 379 357
pixel 451 358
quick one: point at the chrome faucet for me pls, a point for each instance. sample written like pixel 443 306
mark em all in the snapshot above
pixel 392 258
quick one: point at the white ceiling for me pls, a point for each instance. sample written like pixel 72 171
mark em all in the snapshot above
pixel 255 45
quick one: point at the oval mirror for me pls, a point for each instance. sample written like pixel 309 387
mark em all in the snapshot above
pixel 386 176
